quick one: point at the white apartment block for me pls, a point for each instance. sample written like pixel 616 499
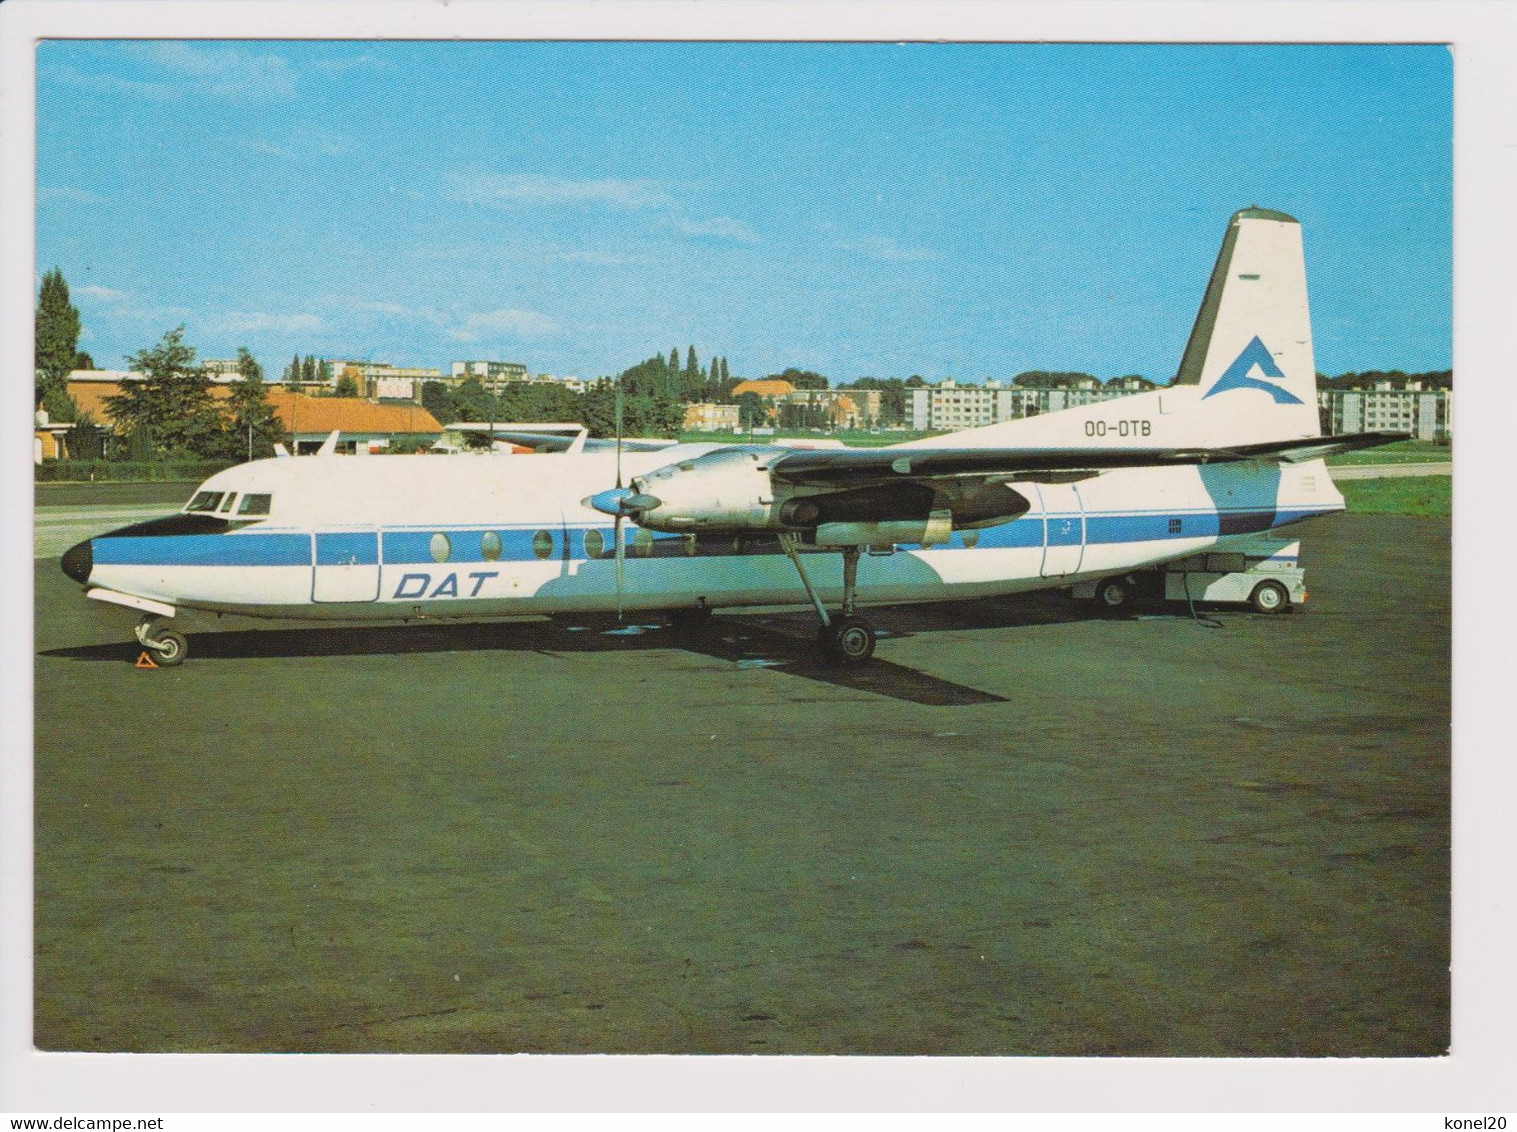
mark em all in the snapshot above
pixel 492 375
pixel 1428 414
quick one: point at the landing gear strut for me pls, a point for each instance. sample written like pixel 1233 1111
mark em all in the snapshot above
pixel 168 646
pixel 846 638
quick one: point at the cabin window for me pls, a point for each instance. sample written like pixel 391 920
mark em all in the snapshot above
pixel 205 501
pixel 489 546
pixel 442 547
pixel 542 544
pixel 595 544
pixel 255 503
pixel 1174 526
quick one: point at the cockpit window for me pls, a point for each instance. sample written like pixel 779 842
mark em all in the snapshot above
pixel 227 503
pixel 255 503
pixel 205 501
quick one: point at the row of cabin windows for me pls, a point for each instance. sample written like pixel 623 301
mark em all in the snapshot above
pixel 595 544
pixel 254 504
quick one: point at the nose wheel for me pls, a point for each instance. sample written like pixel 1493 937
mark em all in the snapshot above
pixel 847 638
pixel 168 646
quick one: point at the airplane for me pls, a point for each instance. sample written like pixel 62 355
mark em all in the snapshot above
pixel 1231 448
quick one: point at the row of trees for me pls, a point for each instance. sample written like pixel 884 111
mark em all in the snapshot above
pixel 309 372
pixel 1433 379
pixel 171 413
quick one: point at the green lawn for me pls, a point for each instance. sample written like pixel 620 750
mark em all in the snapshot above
pixel 1400 495
pixel 1407 452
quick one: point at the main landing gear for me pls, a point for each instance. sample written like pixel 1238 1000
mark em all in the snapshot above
pixel 168 646
pixel 846 638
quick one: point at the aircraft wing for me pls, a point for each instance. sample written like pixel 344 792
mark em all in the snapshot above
pixel 557 442
pixel 858 466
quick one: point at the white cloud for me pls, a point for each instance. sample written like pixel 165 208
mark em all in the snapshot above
pixel 250 322
pixel 103 294
pixel 114 84
pixel 722 227
pixel 601 259
pixel 507 190
pixel 397 311
pixel 72 196
pixel 508 321
pixel 299 143
pixel 886 249
pixel 234 73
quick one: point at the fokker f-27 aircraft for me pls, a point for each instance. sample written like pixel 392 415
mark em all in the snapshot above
pixel 1233 447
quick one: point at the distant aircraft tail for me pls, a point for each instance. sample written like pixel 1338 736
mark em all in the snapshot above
pixel 1254 329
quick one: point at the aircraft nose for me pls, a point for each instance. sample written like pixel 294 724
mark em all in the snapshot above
pixel 78 561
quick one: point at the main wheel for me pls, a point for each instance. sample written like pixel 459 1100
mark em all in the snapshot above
pixel 848 640
pixel 1269 597
pixel 1113 595
pixel 169 647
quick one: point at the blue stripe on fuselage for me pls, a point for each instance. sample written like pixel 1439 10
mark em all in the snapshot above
pixel 414 546
pixel 204 550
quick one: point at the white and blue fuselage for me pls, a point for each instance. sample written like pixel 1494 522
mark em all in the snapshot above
pixel 490 536
pixel 1230 449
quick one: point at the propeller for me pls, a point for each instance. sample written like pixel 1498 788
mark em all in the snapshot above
pixel 620 502
pixel 616 530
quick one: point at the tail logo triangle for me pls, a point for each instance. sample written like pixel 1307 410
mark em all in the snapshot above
pixel 1239 375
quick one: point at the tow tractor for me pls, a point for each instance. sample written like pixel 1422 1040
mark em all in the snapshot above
pixel 1264 573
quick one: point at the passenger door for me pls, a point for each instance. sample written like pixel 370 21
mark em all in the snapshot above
pixel 346 566
pixel 1063 528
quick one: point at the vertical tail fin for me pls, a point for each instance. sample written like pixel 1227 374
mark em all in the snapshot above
pixel 1251 346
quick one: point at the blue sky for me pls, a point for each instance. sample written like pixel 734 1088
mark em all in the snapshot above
pixel 963 211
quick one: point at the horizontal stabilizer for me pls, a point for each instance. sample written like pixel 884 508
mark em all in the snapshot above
pixel 1298 451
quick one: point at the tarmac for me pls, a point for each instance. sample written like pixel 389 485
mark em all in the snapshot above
pixel 1022 830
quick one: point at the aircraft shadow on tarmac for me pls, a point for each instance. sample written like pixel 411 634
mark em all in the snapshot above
pixel 781 642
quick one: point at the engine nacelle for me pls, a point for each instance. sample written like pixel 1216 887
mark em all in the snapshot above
pixel 728 489
pixel 936 528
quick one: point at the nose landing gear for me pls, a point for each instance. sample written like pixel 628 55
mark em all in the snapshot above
pixel 168 646
pixel 847 638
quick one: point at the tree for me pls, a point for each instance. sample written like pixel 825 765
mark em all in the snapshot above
pixel 172 402
pixel 750 410
pixel 82 360
pixel 692 369
pixel 308 370
pixel 598 408
pixel 438 399
pixel 56 322
pixel 674 360
pixel 801 378
pixel 292 375
pixel 473 401
pixel 57 404
pixel 86 440
pixel 725 376
pixel 254 427
pixel 346 387
pixel 1044 379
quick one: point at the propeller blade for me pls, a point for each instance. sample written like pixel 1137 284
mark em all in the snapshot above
pixel 620 554
pixel 618 433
